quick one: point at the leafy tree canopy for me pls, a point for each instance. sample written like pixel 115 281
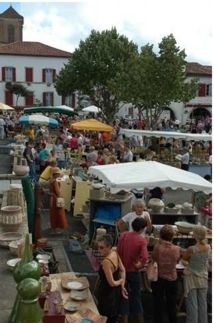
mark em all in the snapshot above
pixel 152 81
pixel 17 89
pixel 94 64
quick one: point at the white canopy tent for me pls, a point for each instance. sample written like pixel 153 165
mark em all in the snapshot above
pixel 166 134
pixel 128 176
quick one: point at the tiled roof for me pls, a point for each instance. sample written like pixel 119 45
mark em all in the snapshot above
pixel 30 48
pixel 10 13
pixel 198 69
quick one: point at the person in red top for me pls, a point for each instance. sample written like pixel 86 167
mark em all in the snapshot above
pixel 100 160
pixel 132 249
pixel 166 254
pixel 73 143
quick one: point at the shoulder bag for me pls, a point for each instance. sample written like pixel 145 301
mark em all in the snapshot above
pixel 152 271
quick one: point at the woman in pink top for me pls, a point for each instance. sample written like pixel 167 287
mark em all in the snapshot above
pixel 166 254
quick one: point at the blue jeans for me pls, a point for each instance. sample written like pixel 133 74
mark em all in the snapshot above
pixel 32 172
pixel 196 306
pixel 132 305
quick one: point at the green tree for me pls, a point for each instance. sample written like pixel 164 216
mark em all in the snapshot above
pixel 152 81
pixel 94 64
pixel 17 89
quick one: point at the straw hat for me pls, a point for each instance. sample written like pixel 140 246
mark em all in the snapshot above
pixel 199 232
pixel 55 170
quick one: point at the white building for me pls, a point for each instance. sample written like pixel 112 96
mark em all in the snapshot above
pixel 34 65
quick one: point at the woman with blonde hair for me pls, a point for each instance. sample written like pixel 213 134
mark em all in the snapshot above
pixel 196 277
pixel 58 218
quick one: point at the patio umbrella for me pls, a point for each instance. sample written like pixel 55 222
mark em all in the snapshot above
pixel 128 176
pixel 91 125
pixel 68 111
pixel 91 108
pixel 64 107
pixel 38 119
pixel 5 107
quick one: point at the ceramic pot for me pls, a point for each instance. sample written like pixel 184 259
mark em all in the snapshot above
pixel 21 170
pixel 156 205
pixel 11 217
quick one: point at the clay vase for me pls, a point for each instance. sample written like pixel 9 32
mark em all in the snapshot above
pixel 29 309
pixel 21 170
pixel 11 217
pixel 26 268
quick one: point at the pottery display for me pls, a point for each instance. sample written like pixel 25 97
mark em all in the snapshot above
pixel 11 217
pixel 21 170
pixel 184 227
pixel 7 237
pixel 155 204
pixel 187 205
pixel 12 262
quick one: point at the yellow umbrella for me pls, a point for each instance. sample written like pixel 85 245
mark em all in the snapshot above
pixel 91 125
pixel 4 106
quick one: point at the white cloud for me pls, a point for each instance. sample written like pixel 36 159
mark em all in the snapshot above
pixel 63 25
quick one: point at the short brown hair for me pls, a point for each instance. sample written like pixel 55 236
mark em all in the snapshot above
pixel 167 232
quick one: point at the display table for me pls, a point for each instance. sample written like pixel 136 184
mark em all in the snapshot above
pixel 171 218
pixel 81 195
pixel 85 305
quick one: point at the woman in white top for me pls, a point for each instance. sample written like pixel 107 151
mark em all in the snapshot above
pixel 127 219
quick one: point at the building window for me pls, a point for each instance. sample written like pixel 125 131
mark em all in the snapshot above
pixel 48 99
pixel 48 75
pixel 29 99
pixel 9 98
pixel 8 74
pixel 202 89
pixel 11 34
pixel 209 90
pixel 28 74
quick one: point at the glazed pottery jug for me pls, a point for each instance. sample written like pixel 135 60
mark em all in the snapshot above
pixel 26 268
pixel 29 309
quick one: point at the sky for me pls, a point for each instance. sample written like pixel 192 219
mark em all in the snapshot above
pixel 63 24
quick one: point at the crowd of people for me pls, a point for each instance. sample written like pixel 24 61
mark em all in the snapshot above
pixel 119 292
pixel 120 272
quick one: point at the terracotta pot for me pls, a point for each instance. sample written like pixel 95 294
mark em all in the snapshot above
pixel 21 170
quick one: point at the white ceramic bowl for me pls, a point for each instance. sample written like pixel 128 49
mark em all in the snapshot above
pixel 12 262
pixel 14 246
pixel 184 227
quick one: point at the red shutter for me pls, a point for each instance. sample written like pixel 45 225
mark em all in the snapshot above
pixel 3 73
pixel 202 90
pixel 54 76
pixel 63 99
pixel 9 98
pixel 43 75
pixel 29 99
pixel 29 74
pixel 44 99
pixel 73 97
pixel 52 99
pixel 14 74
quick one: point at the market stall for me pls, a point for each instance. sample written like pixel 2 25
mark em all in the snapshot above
pixel 91 125
pixel 168 144
pixel 150 174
